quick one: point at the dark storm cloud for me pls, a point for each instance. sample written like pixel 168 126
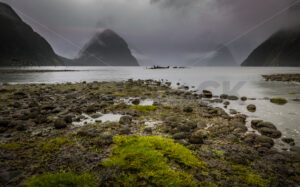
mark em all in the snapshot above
pixel 167 31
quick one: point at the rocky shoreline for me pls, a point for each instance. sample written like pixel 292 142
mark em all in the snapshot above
pixel 177 140
pixel 283 77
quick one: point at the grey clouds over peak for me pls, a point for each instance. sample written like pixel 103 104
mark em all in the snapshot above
pixel 166 31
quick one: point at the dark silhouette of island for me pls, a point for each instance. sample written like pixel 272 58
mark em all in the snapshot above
pixel 281 49
pixel 221 57
pixel 106 48
pixel 20 45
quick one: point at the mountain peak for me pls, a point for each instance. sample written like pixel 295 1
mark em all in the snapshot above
pixel 107 48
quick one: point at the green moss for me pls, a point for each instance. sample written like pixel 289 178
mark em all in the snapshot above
pixel 148 160
pixel 279 100
pixel 167 107
pixel 144 109
pixel 54 144
pixel 249 177
pixel 10 146
pixel 292 92
pixel 62 180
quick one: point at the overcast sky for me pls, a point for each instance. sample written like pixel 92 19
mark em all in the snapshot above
pixel 162 30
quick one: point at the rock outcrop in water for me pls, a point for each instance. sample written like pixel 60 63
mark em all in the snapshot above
pixel 221 57
pixel 281 49
pixel 106 48
pixel 20 45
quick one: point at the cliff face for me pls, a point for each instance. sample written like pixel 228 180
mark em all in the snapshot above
pixel 221 57
pixel 281 49
pixel 106 49
pixel 20 45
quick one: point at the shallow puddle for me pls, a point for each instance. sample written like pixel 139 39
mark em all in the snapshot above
pixel 103 119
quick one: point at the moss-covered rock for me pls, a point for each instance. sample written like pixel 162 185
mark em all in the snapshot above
pixel 278 100
pixel 152 161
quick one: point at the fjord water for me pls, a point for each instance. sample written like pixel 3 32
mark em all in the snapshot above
pixel 240 81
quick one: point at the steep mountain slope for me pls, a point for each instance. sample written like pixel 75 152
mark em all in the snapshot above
pixel 106 48
pixel 20 45
pixel 281 49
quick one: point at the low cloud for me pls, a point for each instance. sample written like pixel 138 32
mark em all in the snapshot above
pixel 167 31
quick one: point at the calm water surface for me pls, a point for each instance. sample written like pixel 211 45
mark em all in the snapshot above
pixel 238 81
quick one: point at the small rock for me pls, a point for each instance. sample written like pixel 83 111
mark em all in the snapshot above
pixel 251 108
pixel 105 139
pixel 91 109
pixel 96 115
pixel 226 103
pixel 68 119
pixel 125 131
pixel 264 141
pixel 272 133
pixel 244 98
pixel 207 94
pixel 180 135
pixel 125 120
pixel 254 123
pixel 289 141
pixel 196 138
pixel 60 124
pixel 232 111
pixel 233 97
pixel 148 130
pixel 295 149
pixel 136 102
pixel 7 176
pixel 4 123
pixel 224 96
pixel 188 109
pixel 266 125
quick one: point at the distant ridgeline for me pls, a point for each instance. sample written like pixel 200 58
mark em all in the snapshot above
pixel 21 46
pixel 281 49
pixel 221 57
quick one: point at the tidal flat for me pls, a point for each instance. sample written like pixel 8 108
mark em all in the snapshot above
pixel 178 140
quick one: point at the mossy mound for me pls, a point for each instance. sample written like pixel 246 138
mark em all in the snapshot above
pixel 279 100
pixel 152 161
pixel 10 146
pixel 145 109
pixel 62 180
pixel 53 144
pixel 250 178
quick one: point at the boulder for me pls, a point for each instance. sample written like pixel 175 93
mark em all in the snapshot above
pixel 224 96
pixel 125 120
pixel 136 102
pixel 244 98
pixel 180 135
pixel 197 137
pixel 207 94
pixel 272 133
pixel 251 108
pixel 60 124
pixel 265 125
pixel 188 109
pixel 289 141
pixel 233 97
